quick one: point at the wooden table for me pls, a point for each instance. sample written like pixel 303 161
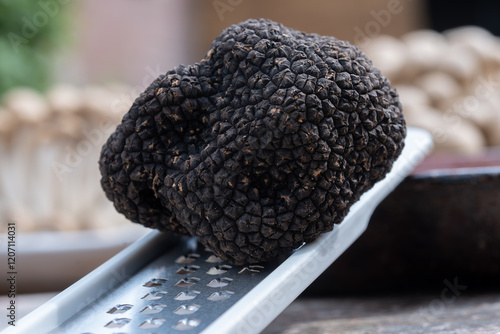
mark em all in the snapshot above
pixel 409 314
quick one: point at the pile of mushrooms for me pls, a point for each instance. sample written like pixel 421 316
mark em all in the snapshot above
pixel 448 83
pixel 49 148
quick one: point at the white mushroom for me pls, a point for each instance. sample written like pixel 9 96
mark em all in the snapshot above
pixel 388 54
pixel 65 99
pixel 27 104
pixel 425 50
pixel 439 87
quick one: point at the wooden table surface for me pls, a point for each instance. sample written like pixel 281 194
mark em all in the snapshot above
pixel 408 314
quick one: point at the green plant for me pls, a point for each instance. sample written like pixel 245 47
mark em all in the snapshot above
pixel 30 32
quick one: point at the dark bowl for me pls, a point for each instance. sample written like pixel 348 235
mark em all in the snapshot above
pixel 441 223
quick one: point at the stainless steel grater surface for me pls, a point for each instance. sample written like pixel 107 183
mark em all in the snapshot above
pixel 185 288
pixel 163 284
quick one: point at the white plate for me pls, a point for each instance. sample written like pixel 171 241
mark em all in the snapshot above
pixel 51 261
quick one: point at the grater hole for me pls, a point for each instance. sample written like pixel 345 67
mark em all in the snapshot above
pixel 187 309
pixel 185 324
pixel 250 270
pixel 155 282
pixel 154 295
pixel 188 258
pixel 219 282
pixel 154 308
pixel 213 259
pixel 220 295
pixel 120 308
pixel 186 270
pixel 117 323
pixel 187 282
pixel 256 267
pixel 152 323
pixel 187 295
pixel 217 270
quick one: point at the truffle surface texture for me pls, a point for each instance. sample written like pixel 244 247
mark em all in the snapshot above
pixel 261 146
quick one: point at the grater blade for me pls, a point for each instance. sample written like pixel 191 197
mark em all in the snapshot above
pixel 163 284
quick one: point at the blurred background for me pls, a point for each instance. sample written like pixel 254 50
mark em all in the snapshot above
pixel 69 70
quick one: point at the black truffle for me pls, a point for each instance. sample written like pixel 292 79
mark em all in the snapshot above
pixel 262 146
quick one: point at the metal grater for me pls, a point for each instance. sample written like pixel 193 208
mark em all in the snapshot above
pixel 164 284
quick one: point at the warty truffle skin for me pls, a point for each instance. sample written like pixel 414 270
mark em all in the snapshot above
pixel 261 146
